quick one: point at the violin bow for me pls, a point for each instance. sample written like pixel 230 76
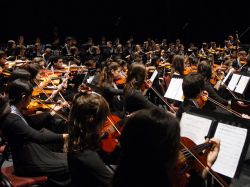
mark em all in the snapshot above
pixel 54 86
pixel 43 90
pixel 159 95
pixel 41 102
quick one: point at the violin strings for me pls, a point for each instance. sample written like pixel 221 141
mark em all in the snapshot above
pixel 224 107
pixel 197 149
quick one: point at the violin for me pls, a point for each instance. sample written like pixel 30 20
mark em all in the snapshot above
pixel 35 106
pixel 194 157
pixel 37 91
pixel 190 69
pixel 202 99
pixel 109 134
pixel 121 81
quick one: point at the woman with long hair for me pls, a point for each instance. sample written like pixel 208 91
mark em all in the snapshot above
pixel 87 116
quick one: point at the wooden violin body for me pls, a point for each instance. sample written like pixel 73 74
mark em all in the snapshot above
pixel 109 134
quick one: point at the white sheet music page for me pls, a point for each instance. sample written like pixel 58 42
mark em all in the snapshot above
pixel 179 94
pixel 233 82
pixel 242 84
pixel 195 127
pixel 172 89
pixel 232 140
pixel 90 79
pixel 228 74
pixel 175 89
pixel 152 78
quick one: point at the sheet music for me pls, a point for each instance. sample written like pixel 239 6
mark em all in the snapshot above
pixel 233 82
pixel 179 94
pixel 232 141
pixel 228 74
pixel 90 79
pixel 195 127
pixel 174 90
pixel 152 78
pixel 242 84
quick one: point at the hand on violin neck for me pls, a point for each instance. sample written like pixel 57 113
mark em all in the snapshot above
pixel 212 155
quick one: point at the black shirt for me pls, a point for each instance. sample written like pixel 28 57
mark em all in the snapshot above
pixel 88 170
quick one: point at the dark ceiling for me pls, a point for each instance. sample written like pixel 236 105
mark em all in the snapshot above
pixel 203 20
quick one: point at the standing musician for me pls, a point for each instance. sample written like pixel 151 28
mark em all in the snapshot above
pixel 150 144
pixel 87 116
pixel 30 156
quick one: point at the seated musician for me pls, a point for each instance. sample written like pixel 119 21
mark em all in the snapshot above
pixel 177 66
pixel 109 88
pixel 150 144
pixel 193 90
pixel 30 156
pixel 88 114
pixel 134 89
pixel 205 69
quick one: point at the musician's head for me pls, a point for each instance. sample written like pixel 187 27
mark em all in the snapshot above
pixel 109 73
pixel 178 64
pixel 88 113
pixel 20 74
pixel 69 41
pixel 193 85
pixel 150 139
pixel 136 76
pixel 205 69
pixel 33 69
pixel 40 61
pixel 19 92
pixel 155 60
pixel 57 62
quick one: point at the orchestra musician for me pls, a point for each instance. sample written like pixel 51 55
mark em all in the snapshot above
pixel 150 144
pixel 135 89
pixel 30 156
pixel 87 116
pixel 193 89
pixel 108 87
pixel 205 69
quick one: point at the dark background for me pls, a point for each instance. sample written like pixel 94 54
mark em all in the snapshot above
pixel 198 21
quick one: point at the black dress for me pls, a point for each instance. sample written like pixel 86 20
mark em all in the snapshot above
pixel 30 157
